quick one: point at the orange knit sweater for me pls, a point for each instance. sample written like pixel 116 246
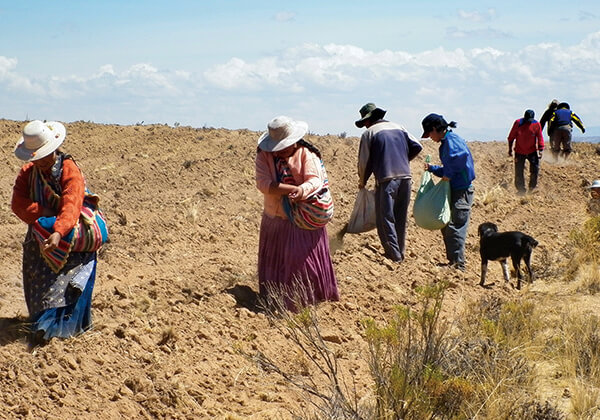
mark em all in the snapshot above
pixel 73 189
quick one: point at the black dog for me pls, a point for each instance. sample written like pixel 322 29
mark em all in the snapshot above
pixel 495 246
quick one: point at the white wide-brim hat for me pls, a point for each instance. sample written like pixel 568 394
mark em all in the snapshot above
pixel 595 184
pixel 39 140
pixel 281 132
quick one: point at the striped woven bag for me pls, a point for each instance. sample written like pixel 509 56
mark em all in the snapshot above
pixel 315 211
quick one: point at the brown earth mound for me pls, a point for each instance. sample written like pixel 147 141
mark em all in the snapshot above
pixel 176 284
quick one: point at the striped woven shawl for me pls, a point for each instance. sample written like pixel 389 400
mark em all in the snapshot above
pixel 86 236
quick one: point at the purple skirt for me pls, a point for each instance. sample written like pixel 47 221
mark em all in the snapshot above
pixel 294 263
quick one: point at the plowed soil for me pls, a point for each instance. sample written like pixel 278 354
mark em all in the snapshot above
pixel 176 284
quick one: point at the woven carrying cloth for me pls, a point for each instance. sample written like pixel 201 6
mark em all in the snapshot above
pixel 87 235
pixel 315 211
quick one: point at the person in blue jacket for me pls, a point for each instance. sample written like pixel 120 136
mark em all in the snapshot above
pixel 561 126
pixel 458 168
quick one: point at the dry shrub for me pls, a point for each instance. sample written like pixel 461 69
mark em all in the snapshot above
pixel 494 339
pixel 518 324
pixel 406 359
pixel 585 243
pixel 533 410
pixel 424 367
pixel 589 279
pixel 314 369
pixel 577 345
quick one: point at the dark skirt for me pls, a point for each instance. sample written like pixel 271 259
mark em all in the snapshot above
pixel 60 303
pixel 294 264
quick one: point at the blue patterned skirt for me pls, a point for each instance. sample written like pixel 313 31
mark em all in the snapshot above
pixel 60 303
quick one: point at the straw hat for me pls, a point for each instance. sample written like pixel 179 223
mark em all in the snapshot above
pixel 39 140
pixel 281 132
pixel 595 184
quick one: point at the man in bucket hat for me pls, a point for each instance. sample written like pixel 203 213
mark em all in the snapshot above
pixel 385 151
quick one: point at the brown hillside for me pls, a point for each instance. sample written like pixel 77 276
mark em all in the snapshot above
pixel 184 217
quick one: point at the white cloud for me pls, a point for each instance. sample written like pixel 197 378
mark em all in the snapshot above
pixel 586 15
pixel 12 80
pixel 477 16
pixel 285 16
pixel 330 80
pixel 485 33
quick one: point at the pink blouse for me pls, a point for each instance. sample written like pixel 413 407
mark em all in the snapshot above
pixel 306 170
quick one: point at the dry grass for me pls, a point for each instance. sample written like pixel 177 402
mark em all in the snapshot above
pixel 313 368
pixel 585 401
pixel 585 245
pixel 191 212
pixel 492 196
pixel 482 365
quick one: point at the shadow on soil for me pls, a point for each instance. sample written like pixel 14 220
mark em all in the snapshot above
pixel 13 329
pixel 246 297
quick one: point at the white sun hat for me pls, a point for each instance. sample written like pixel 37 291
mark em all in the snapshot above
pixel 595 184
pixel 39 140
pixel 281 132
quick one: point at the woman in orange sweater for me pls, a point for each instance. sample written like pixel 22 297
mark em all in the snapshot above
pixel 58 271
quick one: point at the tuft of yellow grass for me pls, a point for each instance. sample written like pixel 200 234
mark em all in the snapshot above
pixel 191 213
pixel 585 400
pixel 492 196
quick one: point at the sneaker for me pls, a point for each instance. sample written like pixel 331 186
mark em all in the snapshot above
pixel 459 267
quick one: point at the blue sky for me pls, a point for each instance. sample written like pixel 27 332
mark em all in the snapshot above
pixel 236 64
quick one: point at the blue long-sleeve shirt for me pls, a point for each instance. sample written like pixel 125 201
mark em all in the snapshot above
pixel 385 151
pixel 457 162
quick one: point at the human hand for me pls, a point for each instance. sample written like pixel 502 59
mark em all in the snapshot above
pixel 445 178
pixel 426 166
pixel 296 194
pixel 510 152
pixel 360 185
pixel 51 243
pixel 539 154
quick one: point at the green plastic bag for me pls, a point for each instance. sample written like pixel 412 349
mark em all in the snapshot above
pixel 432 203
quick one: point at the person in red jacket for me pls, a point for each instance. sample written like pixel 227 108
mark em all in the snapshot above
pixel 526 134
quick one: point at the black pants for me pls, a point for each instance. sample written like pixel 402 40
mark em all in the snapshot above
pixel 534 169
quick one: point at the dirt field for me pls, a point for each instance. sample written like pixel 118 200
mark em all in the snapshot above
pixel 181 264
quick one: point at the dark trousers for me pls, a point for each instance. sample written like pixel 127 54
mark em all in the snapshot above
pixel 534 170
pixel 561 138
pixel 455 232
pixel 391 206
